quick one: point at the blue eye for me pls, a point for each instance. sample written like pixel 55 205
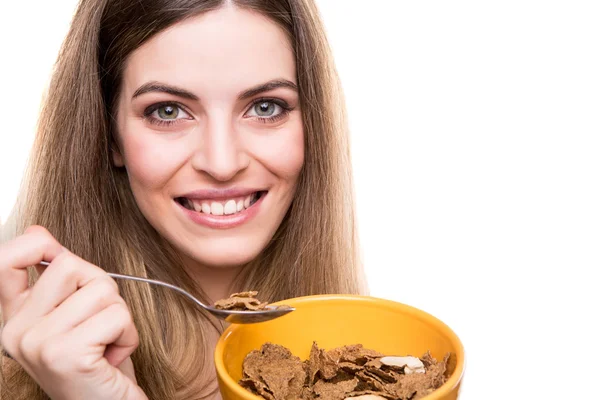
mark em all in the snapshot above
pixel 268 110
pixel 169 112
pixel 166 114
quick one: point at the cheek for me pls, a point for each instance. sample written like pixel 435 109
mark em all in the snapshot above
pixel 281 152
pixel 151 158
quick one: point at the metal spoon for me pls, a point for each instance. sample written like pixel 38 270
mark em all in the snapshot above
pixel 234 317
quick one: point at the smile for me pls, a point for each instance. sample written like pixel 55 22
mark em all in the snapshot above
pixel 220 207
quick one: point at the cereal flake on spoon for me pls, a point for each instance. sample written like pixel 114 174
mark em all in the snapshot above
pixel 245 301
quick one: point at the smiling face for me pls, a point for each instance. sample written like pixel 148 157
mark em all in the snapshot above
pixel 210 131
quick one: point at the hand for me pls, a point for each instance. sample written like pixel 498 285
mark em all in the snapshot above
pixel 72 331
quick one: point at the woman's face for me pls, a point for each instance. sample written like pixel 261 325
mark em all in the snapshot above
pixel 210 132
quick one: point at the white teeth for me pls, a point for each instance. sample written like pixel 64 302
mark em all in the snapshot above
pixel 216 208
pixel 227 207
pixel 230 207
pixel 196 206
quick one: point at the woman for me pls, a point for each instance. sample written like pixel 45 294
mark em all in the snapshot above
pixel 200 142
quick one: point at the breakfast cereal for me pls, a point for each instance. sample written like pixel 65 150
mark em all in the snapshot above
pixel 345 373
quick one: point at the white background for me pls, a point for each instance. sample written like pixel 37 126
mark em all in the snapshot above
pixel 475 129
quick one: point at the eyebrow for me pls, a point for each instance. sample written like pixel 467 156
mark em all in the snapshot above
pixel 155 86
pixel 265 87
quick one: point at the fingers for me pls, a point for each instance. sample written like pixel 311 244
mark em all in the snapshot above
pixel 94 297
pixel 107 337
pixel 71 331
pixel 111 332
pixel 29 249
pixel 65 275
pixel 68 293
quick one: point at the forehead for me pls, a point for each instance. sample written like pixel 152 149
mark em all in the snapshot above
pixel 221 51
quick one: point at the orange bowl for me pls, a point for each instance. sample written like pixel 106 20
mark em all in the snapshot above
pixel 336 320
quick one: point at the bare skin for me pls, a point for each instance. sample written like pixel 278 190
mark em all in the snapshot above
pixel 72 331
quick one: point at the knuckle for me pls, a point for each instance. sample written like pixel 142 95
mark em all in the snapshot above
pixel 37 238
pixel 122 314
pixel 29 345
pixel 107 290
pixel 52 353
pixel 71 267
pixel 66 263
pixel 109 284
pixel 36 230
pixel 64 259
pixel 41 234
pixel 81 365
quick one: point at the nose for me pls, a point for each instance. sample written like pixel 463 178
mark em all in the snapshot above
pixel 221 153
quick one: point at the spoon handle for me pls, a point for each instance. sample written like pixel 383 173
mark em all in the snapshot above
pixel 159 283
pixel 151 281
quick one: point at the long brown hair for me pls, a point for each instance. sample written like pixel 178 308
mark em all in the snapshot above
pixel 73 190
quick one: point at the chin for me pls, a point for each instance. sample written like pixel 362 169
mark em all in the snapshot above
pixel 219 257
